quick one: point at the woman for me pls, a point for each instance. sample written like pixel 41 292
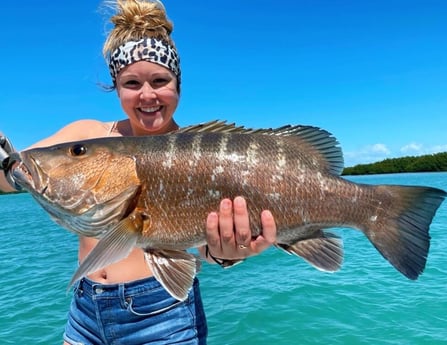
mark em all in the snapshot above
pixel 123 302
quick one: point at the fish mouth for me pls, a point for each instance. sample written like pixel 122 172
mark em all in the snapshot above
pixel 28 176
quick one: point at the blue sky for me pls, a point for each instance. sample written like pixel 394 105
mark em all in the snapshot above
pixel 374 73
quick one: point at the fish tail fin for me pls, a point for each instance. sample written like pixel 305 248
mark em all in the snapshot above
pixel 323 250
pixel 399 228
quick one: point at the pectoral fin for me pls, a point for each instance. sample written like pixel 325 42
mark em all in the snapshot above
pixel 175 270
pixel 115 245
pixel 324 251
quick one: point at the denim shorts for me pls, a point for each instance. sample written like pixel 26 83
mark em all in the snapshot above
pixel 135 313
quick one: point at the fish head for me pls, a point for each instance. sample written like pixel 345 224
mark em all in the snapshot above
pixel 86 186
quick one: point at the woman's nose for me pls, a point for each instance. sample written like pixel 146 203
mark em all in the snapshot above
pixel 147 92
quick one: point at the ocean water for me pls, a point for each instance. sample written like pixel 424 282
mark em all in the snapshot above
pixel 273 298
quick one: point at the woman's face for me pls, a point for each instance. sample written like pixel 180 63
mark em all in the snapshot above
pixel 149 96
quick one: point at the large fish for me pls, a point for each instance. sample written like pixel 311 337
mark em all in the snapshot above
pixel 155 192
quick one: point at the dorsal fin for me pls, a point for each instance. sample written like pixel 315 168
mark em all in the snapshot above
pixel 321 141
pixel 217 126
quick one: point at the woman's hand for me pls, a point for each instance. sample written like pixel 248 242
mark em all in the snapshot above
pixel 6 149
pixel 228 232
pixel 8 157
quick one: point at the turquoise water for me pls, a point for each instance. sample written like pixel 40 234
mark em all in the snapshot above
pixel 270 299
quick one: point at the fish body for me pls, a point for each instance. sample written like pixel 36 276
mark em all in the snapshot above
pixel 155 192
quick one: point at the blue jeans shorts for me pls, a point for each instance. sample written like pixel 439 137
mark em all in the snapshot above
pixel 135 313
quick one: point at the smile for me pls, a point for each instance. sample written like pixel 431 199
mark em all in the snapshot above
pixel 151 109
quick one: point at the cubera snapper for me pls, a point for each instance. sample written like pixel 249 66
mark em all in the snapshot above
pixel 155 192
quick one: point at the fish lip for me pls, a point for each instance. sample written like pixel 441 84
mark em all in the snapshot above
pixel 29 176
pixel 22 176
pixel 44 189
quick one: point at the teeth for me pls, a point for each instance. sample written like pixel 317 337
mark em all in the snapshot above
pixel 150 110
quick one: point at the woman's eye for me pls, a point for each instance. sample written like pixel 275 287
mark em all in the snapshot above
pixel 160 81
pixel 78 150
pixel 131 83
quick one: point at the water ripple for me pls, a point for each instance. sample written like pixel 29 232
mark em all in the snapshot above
pixel 273 298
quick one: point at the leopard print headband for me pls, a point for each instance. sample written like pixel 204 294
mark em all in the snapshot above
pixel 147 49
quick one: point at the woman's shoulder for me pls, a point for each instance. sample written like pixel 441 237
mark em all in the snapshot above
pixel 78 130
pixel 87 128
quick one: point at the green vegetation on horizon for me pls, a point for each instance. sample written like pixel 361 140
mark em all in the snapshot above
pixel 426 163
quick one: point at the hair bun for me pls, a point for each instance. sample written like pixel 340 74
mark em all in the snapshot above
pixel 137 19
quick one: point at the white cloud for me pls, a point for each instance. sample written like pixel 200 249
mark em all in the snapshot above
pixel 379 152
pixel 412 148
pixel 378 149
pixel 368 154
pixel 419 149
pixel 439 148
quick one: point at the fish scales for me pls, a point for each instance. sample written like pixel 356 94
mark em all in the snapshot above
pixel 211 179
pixel 323 206
pixel 179 207
pixel 156 192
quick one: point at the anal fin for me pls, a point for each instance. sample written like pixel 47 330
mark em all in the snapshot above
pixel 175 270
pixel 324 251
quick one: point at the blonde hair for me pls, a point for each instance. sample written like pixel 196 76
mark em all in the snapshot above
pixel 135 20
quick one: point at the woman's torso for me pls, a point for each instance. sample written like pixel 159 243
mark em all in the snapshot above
pixel 133 267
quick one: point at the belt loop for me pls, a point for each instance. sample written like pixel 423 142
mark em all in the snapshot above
pixel 122 295
pixel 77 288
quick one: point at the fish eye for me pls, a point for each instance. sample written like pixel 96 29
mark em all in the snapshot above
pixel 78 150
